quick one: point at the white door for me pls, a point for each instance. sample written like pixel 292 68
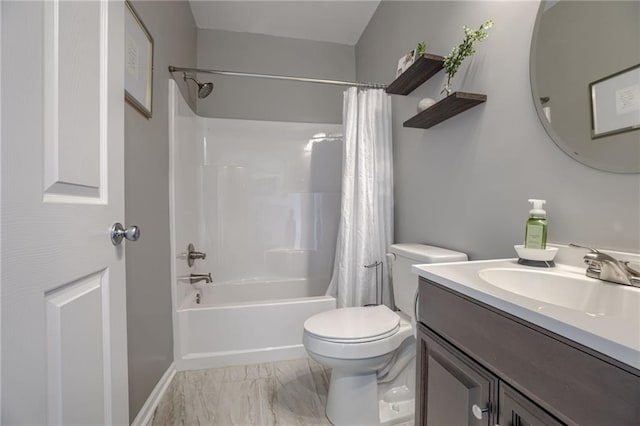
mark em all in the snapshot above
pixel 63 282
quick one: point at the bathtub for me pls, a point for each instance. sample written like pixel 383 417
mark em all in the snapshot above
pixel 246 322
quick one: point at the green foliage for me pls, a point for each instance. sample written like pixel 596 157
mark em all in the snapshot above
pixel 422 48
pixel 459 53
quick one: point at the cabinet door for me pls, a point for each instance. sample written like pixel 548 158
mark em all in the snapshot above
pixel 518 410
pixel 451 384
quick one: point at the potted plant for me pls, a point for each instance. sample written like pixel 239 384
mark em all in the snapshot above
pixel 459 53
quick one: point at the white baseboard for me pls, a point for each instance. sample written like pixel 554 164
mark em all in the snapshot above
pixel 143 418
pixel 198 361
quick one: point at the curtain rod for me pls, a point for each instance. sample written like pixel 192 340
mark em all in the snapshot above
pixel 281 77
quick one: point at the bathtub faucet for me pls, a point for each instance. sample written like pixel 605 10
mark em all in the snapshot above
pixel 196 278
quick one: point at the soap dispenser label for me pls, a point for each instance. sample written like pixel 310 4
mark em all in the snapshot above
pixel 535 236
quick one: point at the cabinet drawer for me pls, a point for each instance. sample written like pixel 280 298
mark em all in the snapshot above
pixel 572 384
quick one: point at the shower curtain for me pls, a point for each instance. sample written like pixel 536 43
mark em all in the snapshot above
pixel 366 222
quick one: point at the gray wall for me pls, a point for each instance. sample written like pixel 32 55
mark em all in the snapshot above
pixel 149 317
pixel 464 184
pixel 259 99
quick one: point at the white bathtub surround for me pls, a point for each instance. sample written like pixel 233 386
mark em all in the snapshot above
pixel 366 212
pixel 261 199
pixel 235 323
pixel 270 199
pixel 253 291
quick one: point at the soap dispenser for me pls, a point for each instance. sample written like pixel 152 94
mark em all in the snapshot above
pixel 536 231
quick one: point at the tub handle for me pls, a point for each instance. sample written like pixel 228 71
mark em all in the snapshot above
pixel 193 255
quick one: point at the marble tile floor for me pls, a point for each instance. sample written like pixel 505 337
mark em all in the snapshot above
pixel 279 393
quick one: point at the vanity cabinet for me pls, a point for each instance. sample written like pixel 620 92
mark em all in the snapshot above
pixel 514 372
pixel 457 390
pixel 452 384
pixel 517 410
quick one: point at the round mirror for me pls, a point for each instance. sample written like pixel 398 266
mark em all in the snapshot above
pixel 585 80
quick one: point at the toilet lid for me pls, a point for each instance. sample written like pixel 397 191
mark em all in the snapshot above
pixel 354 325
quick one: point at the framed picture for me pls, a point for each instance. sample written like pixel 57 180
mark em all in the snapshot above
pixel 615 103
pixel 138 63
pixel 405 62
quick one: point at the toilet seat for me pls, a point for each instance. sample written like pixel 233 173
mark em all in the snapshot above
pixel 326 336
pixel 353 325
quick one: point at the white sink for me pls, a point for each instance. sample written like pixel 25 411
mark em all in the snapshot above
pixel 600 315
pixel 565 289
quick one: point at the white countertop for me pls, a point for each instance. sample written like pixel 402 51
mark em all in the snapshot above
pixel 616 334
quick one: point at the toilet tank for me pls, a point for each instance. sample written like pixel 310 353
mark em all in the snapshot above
pixel 405 282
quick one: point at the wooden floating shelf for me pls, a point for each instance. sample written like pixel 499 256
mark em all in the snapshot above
pixel 453 104
pixel 420 71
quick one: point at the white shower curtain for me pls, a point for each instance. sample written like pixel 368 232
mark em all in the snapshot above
pixel 366 222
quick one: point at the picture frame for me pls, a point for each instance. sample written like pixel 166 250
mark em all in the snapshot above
pixel 615 103
pixel 138 72
pixel 405 62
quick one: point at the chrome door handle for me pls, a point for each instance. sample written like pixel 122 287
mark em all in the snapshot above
pixel 118 232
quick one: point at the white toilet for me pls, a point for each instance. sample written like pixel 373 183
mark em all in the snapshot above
pixel 365 346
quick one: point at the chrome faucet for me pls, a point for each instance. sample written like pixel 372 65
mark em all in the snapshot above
pixel 196 278
pixel 601 266
pixel 193 255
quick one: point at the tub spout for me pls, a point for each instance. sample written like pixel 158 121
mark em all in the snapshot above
pixel 196 278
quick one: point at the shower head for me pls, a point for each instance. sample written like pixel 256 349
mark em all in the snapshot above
pixel 204 89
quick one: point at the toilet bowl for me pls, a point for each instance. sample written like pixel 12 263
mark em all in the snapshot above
pixel 366 346
pixel 355 343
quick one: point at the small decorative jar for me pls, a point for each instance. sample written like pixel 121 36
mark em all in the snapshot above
pixel 425 103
